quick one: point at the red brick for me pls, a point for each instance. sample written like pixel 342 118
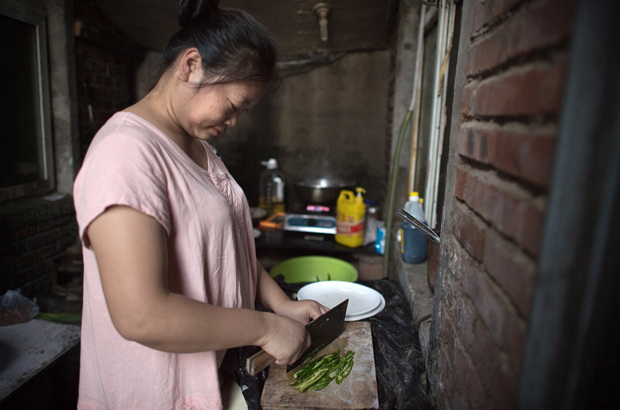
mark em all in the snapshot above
pixel 511 206
pixel 492 307
pixel 487 198
pixel 477 396
pixel 467 98
pixel 25 232
pixel 470 231
pixel 484 12
pixel 538 26
pixel 452 377
pixel 531 229
pixel 477 142
pixel 46 251
pixel 26 259
pixel 522 154
pixel 514 272
pixel 469 189
pixel 525 155
pixel 487 357
pixel 460 181
pixel 516 346
pixel 484 196
pixel 525 91
pixel 44 238
pixel 45 225
pixel 508 208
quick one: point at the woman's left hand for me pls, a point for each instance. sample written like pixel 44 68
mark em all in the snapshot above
pixel 302 310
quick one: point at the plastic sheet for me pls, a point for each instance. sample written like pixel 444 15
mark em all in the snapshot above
pixel 398 358
pixel 16 308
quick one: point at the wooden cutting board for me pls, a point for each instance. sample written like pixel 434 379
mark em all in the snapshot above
pixel 357 391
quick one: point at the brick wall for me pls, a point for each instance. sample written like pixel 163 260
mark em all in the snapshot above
pixel 34 233
pixel 106 62
pixel 515 69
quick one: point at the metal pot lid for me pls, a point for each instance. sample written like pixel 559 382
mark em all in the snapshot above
pixel 324 183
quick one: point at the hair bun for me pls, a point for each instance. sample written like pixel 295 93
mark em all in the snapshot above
pixel 191 10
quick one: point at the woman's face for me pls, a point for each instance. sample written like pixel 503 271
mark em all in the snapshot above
pixel 208 111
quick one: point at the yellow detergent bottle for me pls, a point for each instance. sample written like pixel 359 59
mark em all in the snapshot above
pixel 350 218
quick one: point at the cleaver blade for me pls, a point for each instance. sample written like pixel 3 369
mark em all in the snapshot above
pixel 324 330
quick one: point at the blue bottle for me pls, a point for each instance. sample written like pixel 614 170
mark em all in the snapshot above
pixel 413 242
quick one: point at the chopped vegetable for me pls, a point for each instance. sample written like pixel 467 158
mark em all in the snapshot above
pixel 319 373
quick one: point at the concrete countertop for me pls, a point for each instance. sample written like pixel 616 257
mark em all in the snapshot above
pixel 27 348
pixel 413 279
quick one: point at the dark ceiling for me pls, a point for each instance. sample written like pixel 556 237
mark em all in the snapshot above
pixel 352 24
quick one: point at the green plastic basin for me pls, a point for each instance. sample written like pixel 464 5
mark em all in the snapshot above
pixel 314 269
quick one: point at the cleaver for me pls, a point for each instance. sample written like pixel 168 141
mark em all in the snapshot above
pixel 324 330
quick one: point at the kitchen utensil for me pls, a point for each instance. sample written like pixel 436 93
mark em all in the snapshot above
pixel 357 391
pixel 412 220
pixel 322 191
pixel 363 316
pixel 323 331
pixel 314 269
pixel 362 299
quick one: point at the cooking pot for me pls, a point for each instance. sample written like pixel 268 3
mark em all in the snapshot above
pixel 322 191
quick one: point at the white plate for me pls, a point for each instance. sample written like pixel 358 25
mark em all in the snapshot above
pixel 367 315
pixel 362 299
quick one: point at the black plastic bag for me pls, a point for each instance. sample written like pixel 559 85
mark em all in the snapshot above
pixel 233 367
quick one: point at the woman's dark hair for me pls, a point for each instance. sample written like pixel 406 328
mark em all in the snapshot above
pixel 232 44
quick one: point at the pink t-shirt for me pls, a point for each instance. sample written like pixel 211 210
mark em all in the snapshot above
pixel 211 256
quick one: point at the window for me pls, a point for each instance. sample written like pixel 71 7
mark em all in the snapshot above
pixel 26 160
pixel 437 21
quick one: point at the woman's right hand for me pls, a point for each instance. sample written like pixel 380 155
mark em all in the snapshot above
pixel 285 339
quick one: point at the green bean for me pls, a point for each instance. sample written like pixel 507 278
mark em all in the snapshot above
pixel 321 384
pixel 303 387
pixel 347 369
pixel 320 372
pixel 308 367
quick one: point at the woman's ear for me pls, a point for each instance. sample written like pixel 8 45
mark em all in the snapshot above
pixel 190 66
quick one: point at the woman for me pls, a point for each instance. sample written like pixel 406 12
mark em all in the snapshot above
pixel 171 275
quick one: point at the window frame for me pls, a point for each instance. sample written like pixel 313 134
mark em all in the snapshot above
pixel 441 13
pixel 28 13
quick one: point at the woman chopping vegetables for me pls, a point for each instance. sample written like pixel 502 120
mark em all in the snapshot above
pixel 171 275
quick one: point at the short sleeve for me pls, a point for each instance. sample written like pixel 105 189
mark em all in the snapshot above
pixel 122 167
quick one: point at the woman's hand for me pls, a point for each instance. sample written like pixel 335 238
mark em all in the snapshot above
pixel 282 345
pixel 303 310
pixel 285 339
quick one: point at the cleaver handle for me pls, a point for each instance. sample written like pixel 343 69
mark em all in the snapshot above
pixel 258 361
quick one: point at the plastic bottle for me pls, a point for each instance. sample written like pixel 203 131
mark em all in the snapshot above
pixel 413 243
pixel 271 184
pixel 350 218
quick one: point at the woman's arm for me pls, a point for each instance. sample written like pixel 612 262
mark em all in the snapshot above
pixel 270 295
pixel 131 252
